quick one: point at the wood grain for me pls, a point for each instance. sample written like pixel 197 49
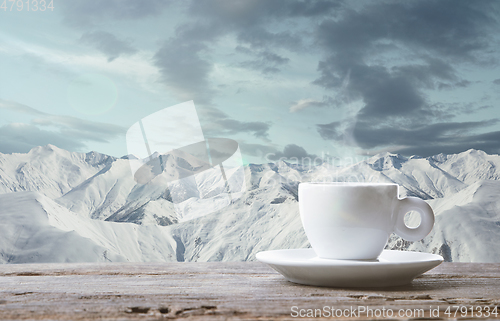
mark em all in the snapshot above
pixel 219 291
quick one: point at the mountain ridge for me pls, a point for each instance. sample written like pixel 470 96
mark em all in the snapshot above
pixel 99 192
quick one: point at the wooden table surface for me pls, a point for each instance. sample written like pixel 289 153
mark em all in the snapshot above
pixel 230 290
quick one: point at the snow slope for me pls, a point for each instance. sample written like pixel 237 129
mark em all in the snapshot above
pixel 467 227
pixel 36 229
pixel 92 202
pixel 49 170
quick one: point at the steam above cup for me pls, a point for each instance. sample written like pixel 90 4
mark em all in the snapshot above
pixel 353 221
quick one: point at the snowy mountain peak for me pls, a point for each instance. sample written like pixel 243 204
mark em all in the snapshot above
pixel 440 158
pixel 47 149
pixel 48 169
pixel 474 152
pixel 387 155
pixel 129 156
pixel 471 153
pixel 96 159
pixel 386 160
pixel 80 198
pixel 154 155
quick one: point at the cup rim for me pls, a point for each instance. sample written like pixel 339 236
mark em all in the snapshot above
pixel 366 184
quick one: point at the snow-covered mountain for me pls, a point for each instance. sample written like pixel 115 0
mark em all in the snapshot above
pixel 48 169
pixel 60 206
pixel 36 229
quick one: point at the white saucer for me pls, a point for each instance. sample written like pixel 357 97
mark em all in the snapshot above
pixel 392 268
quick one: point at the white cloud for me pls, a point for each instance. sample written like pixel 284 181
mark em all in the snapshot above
pixel 70 133
pixel 136 68
pixel 306 103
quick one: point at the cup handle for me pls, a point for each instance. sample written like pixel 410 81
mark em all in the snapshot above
pixel 426 219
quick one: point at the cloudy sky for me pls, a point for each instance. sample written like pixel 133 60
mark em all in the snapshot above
pixel 284 78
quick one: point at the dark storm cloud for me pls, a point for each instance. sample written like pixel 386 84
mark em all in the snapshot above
pixel 384 94
pixel 249 13
pixel 184 61
pixel 217 123
pixel 486 142
pixel 369 137
pixel 265 61
pixel 291 152
pixel 108 44
pixel 434 37
pixel 66 132
pixel 250 20
pixel 233 126
pixel 184 70
pixel 453 31
pixel 424 74
pixel 496 81
pixel 228 126
pixel 459 84
pixel 448 28
pixel 331 131
pixel 422 140
pixel 84 13
pixel 448 111
pixel 268 153
pixel 258 37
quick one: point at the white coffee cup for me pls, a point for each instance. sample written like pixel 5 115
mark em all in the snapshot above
pixel 353 221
